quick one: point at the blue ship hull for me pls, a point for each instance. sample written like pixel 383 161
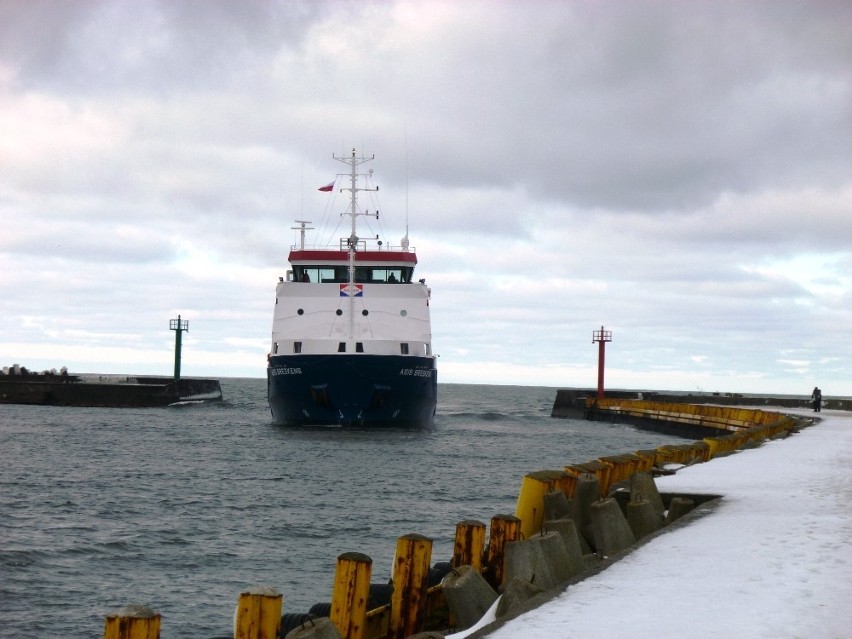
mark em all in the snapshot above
pixel 352 390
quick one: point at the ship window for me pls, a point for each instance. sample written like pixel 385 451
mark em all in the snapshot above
pixel 275 348
pixel 359 347
pixel 403 348
pixel 341 347
pixel 327 274
pixel 339 311
pixel 297 347
pixel 390 275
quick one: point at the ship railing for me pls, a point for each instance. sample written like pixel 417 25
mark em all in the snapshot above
pixel 361 245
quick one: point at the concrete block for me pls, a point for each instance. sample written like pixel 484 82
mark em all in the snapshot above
pixel 542 560
pixel 517 593
pixel 468 595
pixel 678 508
pixel 556 505
pixel 574 543
pixel 610 528
pixel 586 492
pixel 525 560
pixel 643 518
pixel 555 556
pixel 320 628
pixel 642 486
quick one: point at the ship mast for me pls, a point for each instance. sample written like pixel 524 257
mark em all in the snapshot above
pixel 354 161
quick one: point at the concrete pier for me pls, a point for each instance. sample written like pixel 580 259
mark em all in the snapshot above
pixel 769 559
pixel 116 391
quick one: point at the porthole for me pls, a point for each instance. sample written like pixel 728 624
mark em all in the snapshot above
pixel 301 311
pixel 339 312
pixel 365 312
pixel 403 312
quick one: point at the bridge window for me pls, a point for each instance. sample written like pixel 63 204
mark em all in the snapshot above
pixel 403 348
pixel 363 274
pixel 392 275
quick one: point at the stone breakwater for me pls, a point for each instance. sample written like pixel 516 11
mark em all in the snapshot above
pixel 572 402
pixel 118 391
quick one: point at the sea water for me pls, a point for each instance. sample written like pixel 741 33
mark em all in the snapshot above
pixel 182 508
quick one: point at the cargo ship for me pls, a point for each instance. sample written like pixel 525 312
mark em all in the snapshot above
pixel 351 330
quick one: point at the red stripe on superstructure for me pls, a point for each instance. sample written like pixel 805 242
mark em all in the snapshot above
pixel 360 256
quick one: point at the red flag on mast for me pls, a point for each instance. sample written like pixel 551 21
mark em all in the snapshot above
pixel 327 187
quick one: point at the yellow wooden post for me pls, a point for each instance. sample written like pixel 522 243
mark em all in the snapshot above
pixel 567 482
pixel 469 545
pixel 258 614
pixel 648 457
pixel 504 528
pixel 410 581
pixel 132 622
pixel 350 595
pixel 530 507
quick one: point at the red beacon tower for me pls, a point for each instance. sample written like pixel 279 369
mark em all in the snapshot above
pixel 601 337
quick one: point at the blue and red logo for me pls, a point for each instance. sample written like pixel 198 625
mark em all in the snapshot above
pixel 351 290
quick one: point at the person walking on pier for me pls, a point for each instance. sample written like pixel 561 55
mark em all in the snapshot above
pixel 816 396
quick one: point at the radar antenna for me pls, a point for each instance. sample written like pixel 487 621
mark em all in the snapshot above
pixel 302 228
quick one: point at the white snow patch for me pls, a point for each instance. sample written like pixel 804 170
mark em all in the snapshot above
pixel 773 560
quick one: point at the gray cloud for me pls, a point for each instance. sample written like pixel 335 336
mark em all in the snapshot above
pixel 679 171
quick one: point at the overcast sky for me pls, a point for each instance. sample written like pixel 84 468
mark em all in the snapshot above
pixel 678 172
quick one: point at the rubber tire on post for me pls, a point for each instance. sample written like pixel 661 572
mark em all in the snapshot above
pixel 292 620
pixel 321 610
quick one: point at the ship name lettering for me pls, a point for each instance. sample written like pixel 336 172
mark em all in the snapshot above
pixel 415 372
pixel 286 371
